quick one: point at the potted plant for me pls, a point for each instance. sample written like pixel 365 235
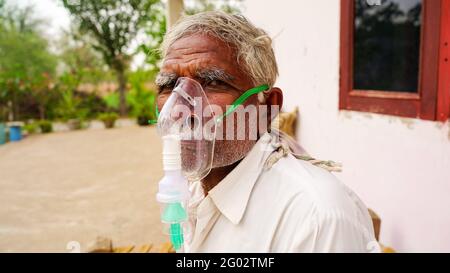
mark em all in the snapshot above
pixel 70 111
pixel 31 127
pixel 46 126
pixel 142 106
pixel 108 119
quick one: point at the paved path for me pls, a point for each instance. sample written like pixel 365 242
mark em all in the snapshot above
pixel 75 186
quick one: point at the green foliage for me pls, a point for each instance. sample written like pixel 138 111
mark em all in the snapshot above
pixel 112 25
pixel 229 6
pixel 73 104
pixel 155 32
pixel 24 57
pixel 94 51
pixel 93 103
pixel 69 107
pixel 31 128
pixel 157 29
pixel 81 61
pixel 108 119
pixel 142 105
pixel 140 99
pixel 26 65
pixel 112 101
pixel 46 126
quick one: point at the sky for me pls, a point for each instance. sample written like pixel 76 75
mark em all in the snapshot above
pixel 51 11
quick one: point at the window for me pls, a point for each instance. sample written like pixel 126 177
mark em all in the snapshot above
pixel 395 57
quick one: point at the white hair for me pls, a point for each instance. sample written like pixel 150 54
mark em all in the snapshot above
pixel 253 45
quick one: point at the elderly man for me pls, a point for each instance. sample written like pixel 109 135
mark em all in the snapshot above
pixel 242 205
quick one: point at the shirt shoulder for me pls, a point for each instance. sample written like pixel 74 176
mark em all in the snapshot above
pixel 317 205
pixel 314 184
pixel 305 185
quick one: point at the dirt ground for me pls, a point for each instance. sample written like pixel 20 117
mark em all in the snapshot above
pixel 75 186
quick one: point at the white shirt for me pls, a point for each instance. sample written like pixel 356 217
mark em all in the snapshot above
pixel 292 207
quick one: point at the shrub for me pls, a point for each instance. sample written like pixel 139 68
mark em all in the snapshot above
pixel 69 107
pixel 31 128
pixel 109 119
pixel 142 104
pixel 93 103
pixel 112 101
pixel 141 98
pixel 46 126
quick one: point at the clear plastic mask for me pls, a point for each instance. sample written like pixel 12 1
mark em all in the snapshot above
pixel 188 115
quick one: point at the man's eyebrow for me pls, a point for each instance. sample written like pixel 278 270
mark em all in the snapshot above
pixel 207 74
pixel 165 78
pixel 213 74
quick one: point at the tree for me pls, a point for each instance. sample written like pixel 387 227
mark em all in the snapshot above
pixel 79 59
pixel 26 65
pixel 150 47
pixel 113 25
pixel 157 30
pixel 228 6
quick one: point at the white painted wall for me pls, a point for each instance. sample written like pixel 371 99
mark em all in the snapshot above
pixel 399 167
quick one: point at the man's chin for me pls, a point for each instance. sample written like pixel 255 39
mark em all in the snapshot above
pixel 227 153
pixel 222 164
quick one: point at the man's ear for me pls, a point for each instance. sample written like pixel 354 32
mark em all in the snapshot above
pixel 274 97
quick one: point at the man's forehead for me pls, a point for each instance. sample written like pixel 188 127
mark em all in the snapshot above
pixel 198 52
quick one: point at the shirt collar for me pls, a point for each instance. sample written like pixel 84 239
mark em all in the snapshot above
pixel 231 195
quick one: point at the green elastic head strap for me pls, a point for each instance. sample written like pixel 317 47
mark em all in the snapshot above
pixel 242 99
pixel 233 106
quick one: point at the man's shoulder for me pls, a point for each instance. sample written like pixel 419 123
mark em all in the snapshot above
pixel 300 181
pixel 311 200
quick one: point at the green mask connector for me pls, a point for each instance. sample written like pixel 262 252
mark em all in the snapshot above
pixel 174 213
pixel 176 236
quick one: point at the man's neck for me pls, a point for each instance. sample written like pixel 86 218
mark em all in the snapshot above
pixel 216 175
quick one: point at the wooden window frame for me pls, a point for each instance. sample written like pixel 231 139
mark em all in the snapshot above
pixel 432 101
pixel 443 104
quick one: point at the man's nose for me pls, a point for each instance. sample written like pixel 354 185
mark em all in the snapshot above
pixel 192 122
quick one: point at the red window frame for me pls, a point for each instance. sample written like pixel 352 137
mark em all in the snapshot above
pixel 432 101
pixel 443 104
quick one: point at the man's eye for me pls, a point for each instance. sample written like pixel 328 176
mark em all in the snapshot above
pixel 164 89
pixel 217 84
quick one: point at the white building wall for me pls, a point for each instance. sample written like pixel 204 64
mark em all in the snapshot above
pixel 400 167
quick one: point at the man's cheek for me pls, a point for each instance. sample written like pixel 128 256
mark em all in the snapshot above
pixel 219 105
pixel 233 128
pixel 221 99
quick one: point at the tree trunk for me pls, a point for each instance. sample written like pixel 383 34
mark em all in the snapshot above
pixel 41 112
pixel 13 106
pixel 11 110
pixel 122 89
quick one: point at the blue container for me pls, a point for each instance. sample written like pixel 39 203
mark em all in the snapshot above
pixel 2 133
pixel 15 133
